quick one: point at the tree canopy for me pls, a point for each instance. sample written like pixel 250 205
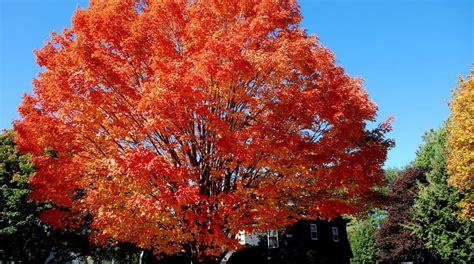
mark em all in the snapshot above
pixel 461 142
pixel 20 229
pixel 175 124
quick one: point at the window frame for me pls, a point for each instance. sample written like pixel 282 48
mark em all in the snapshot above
pixel 335 234
pixel 272 234
pixel 313 229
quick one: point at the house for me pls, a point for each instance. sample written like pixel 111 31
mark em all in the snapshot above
pixel 317 241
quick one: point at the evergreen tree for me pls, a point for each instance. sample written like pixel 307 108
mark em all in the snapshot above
pixel 435 211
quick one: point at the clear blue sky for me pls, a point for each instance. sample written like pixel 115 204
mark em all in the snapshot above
pixel 409 53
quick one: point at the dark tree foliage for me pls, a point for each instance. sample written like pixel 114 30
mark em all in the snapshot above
pixel 395 241
pixel 22 237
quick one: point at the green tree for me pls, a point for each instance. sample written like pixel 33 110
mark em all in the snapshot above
pixel 22 236
pixel 435 211
pixel 361 234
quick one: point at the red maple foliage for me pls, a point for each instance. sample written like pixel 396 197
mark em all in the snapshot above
pixel 175 124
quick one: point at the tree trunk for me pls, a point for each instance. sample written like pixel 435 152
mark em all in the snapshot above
pixel 140 261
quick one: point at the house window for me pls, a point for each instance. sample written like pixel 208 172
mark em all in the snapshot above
pixel 272 237
pixel 335 234
pixel 313 229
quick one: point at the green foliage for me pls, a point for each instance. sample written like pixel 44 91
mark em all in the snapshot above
pixel 435 211
pixel 361 234
pixel 432 155
pixel 391 173
pixel 22 236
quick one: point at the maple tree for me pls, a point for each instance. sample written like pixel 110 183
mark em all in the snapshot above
pixel 175 124
pixel 460 161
